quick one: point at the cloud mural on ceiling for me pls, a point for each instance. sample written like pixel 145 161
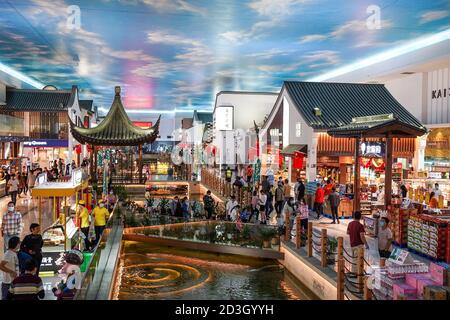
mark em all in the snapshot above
pixel 169 54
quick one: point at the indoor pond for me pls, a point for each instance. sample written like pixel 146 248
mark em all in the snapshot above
pixel 147 271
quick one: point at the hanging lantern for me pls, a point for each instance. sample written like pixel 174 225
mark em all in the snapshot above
pixel 298 160
pixel 78 149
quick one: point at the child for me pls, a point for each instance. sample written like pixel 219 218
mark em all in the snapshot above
pixel 303 211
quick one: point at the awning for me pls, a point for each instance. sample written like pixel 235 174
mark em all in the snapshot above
pixel 292 148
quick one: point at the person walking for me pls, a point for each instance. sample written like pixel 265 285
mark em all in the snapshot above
pixel 231 207
pixel 385 238
pixel 173 205
pixel 249 173
pixel 208 203
pixel 9 265
pixel 334 199
pixel 356 232
pixel 262 201
pixel 289 208
pixel 185 209
pixel 287 190
pixel 101 215
pixel 32 244
pixel 254 208
pixel 319 200
pixel 13 187
pixel 84 216
pixel 299 189
pixel 25 182
pixel 228 174
pixel 303 211
pixel 279 199
pixel 11 224
pixel 27 286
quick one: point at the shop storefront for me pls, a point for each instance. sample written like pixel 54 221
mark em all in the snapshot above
pixel 42 152
pixel 312 110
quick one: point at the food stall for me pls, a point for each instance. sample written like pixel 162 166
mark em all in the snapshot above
pixel 63 233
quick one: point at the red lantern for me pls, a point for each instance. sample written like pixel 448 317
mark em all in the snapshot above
pixel 298 160
pixel 78 149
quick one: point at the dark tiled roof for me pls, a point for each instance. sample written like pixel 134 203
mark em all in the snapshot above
pixel 37 100
pixel 116 129
pixel 339 103
pixel 203 117
pixel 86 105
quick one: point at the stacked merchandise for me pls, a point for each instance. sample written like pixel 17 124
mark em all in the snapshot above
pixel 398 223
pixel 389 282
pixel 411 282
pixel 427 234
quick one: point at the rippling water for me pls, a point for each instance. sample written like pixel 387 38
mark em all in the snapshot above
pixel 149 272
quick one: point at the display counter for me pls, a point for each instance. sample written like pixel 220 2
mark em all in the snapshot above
pixel 419 190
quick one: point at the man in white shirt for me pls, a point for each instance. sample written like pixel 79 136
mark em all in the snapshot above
pixel 262 206
pixel 9 265
pixel 231 206
pixel 436 191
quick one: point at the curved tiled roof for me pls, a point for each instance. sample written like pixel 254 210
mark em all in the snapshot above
pixel 339 103
pixel 116 129
pixel 37 100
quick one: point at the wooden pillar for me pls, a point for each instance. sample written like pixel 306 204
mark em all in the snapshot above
pixel 340 279
pixel 323 244
pixel 54 209
pixel 95 162
pixel 298 232
pixel 357 180
pixel 132 164
pixel 140 163
pixel 367 292
pixel 91 163
pixel 388 172
pixel 360 269
pixel 340 248
pixel 310 248
pixel 287 224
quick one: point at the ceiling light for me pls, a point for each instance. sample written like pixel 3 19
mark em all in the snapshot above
pixel 386 55
pixel 19 75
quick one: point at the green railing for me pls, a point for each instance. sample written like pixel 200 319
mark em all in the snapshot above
pixel 98 279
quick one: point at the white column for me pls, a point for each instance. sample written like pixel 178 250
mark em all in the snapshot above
pixel 311 162
pixel 419 154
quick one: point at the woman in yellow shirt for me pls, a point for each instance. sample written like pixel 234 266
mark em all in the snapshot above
pixel 83 214
pixel 101 215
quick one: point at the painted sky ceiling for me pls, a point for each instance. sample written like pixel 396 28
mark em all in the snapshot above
pixel 169 54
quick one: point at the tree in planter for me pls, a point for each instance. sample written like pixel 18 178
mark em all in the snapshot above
pixel 331 249
pixel 266 235
pixel 163 206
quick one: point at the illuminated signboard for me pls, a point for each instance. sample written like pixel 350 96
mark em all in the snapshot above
pixel 49 143
pixel 143 124
pixel 372 149
pixel 224 118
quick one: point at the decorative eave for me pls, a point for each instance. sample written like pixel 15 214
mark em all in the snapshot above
pixel 116 129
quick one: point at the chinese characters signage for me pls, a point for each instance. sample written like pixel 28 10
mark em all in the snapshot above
pixel 224 118
pixel 372 149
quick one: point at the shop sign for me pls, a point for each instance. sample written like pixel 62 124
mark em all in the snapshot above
pixel 224 118
pixel 52 261
pixel 77 176
pixel 50 143
pixel 372 149
pixel 440 93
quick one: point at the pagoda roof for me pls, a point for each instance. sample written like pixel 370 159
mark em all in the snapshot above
pixel 116 129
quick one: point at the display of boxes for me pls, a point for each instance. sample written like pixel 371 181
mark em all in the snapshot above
pixel 439 274
pixel 404 290
pixel 434 293
pixel 412 279
pixel 422 283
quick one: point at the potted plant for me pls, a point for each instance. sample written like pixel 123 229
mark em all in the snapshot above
pixel 266 235
pixel 331 249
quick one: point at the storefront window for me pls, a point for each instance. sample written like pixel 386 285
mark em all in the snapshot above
pixel 11 123
pixel 48 125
